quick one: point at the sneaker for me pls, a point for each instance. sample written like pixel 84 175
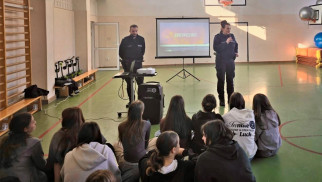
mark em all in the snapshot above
pixel 76 92
pixel 222 103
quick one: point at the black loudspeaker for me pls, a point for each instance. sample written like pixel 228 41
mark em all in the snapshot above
pixel 151 94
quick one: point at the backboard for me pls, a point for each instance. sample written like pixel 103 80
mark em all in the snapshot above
pixel 217 3
pixel 318 10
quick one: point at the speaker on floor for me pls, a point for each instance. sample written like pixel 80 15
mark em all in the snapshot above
pixel 151 94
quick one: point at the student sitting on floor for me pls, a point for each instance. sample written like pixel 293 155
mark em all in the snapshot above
pixel 63 141
pixel 178 121
pixel 224 159
pixel 90 154
pixel 161 166
pixel 200 118
pixel 267 135
pixel 241 122
pixel 101 176
pixel 20 154
pixel 134 134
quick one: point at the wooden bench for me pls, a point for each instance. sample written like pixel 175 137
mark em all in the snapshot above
pixel 11 110
pixel 90 75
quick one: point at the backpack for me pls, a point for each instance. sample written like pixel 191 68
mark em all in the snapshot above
pixel 33 91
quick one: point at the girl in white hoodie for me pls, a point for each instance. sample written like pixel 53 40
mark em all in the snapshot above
pixel 89 155
pixel 267 134
pixel 241 122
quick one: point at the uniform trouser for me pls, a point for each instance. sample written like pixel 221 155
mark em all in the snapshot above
pixel 139 80
pixel 228 69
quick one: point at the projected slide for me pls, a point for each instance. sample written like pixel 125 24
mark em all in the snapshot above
pixel 183 38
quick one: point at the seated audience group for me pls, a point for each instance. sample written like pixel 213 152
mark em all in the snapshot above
pixel 207 147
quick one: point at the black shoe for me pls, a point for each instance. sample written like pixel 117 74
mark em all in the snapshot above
pixel 222 103
pixel 128 105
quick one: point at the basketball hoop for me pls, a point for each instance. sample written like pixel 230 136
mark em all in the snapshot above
pixel 226 2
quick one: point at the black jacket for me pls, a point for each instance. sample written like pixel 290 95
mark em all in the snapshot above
pixel 198 120
pixel 225 52
pixel 227 163
pixel 183 173
pixel 132 48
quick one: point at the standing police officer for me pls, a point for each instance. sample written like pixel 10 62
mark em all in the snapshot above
pixel 226 49
pixel 132 48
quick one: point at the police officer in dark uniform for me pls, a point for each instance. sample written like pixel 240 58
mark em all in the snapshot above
pixel 132 48
pixel 226 49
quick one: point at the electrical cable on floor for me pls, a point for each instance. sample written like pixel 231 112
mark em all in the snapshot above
pixel 57 104
pixel 121 91
pixel 103 118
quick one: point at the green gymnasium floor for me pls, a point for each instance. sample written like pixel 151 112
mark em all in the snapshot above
pixel 294 90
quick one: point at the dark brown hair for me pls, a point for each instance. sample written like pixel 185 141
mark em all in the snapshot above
pixel 133 126
pixel 216 132
pixel 209 103
pixel 17 137
pixel 237 100
pixel 165 143
pixel 90 132
pixel 224 23
pixel 260 105
pixel 133 26
pixel 72 121
pixel 176 118
pixel 101 176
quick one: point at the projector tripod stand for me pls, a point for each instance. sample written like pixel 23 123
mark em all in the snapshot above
pixel 185 73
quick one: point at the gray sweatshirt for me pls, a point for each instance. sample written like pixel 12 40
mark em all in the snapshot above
pixel 84 160
pixel 268 139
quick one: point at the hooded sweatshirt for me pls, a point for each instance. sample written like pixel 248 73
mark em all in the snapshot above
pixel 227 163
pixel 269 138
pixel 84 160
pixel 242 123
pixel 178 170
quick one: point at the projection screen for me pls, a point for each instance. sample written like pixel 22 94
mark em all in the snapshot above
pixel 182 37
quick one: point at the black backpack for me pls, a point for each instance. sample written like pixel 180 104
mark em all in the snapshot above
pixel 33 91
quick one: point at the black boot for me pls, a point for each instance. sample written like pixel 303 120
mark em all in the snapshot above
pixel 222 102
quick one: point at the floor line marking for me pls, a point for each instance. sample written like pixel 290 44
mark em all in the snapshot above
pixel 293 144
pixel 280 72
pixel 303 136
pixel 89 97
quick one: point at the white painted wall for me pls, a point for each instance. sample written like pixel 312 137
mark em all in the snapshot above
pixel 64 33
pixel 274 26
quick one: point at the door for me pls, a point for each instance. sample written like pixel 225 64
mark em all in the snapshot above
pixel 105 45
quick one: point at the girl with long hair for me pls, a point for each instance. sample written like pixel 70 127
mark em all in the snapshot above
pixel 242 122
pixel 63 141
pixel 224 159
pixel 177 120
pixel 21 155
pixel 267 134
pixel 208 104
pixel 161 166
pixel 134 134
pixel 89 155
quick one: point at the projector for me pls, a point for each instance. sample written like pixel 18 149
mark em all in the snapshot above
pixel 146 71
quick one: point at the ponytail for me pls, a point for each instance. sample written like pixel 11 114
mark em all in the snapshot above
pixel 154 163
pixel 165 143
